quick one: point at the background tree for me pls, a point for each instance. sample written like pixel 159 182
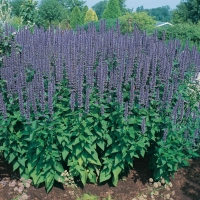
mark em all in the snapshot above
pixel 187 11
pixel 99 8
pixel 162 14
pixel 5 12
pixel 140 9
pixel 16 7
pixel 83 14
pixel 29 13
pixel 90 16
pixel 75 18
pixel 71 4
pixel 112 10
pixel 50 10
pixel 123 8
pixel 142 19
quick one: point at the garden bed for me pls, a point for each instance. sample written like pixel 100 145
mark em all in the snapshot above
pixel 186 184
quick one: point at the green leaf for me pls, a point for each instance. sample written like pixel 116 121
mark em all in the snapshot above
pixel 104 125
pixel 49 182
pixel 88 131
pixel 58 167
pixel 88 148
pixel 78 149
pixel 116 173
pixel 38 150
pixel 83 174
pixel 104 175
pixel 34 125
pixel 65 154
pixel 116 149
pixel 22 161
pixel 41 179
pixel 101 144
pixel 142 152
pixel 94 159
pixel 34 176
pixel 169 165
pixel 141 144
pixel 11 158
pixel 15 166
pixel 80 161
pixel 118 158
pixel 60 139
pixel 186 163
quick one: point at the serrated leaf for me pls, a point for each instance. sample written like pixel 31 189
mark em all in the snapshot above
pixel 83 174
pixel 142 152
pixel 116 173
pixel 22 161
pixel 58 167
pixel 60 139
pixel 11 158
pixel 118 158
pixel 101 144
pixel 49 182
pixel 15 166
pixel 65 154
pixel 104 176
pixel 80 161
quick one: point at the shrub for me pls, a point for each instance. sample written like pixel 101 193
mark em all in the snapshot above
pixel 90 16
pixel 112 10
pixel 142 19
pixel 75 18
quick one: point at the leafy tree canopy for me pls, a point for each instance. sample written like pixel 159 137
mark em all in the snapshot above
pixel 16 7
pixel 187 11
pixel 71 4
pixel 162 14
pixel 50 10
pixel 5 12
pixel 90 16
pixel 142 19
pixel 29 13
pixel 75 18
pixel 83 14
pixel 100 7
pixel 112 10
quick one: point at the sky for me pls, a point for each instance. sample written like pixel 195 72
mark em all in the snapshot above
pixel 146 3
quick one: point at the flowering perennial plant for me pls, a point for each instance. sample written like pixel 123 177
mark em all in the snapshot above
pixel 96 100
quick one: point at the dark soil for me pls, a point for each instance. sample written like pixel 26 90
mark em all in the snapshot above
pixel 186 184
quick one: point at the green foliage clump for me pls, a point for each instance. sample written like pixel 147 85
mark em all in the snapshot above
pixel 16 22
pixel 83 14
pixel 99 8
pixel 16 7
pixel 184 31
pixel 162 14
pixel 29 13
pixel 71 4
pixel 110 24
pixel 5 12
pixel 49 11
pixel 142 19
pixel 75 18
pixel 112 10
pixel 90 16
pixel 186 11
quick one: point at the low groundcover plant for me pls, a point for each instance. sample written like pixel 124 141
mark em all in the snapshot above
pixel 157 190
pixel 20 187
